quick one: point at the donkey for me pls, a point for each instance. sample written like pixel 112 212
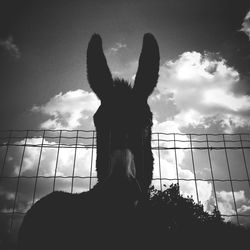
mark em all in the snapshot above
pixel 124 120
pixel 103 216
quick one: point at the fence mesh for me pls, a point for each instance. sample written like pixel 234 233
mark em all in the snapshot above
pixel 212 168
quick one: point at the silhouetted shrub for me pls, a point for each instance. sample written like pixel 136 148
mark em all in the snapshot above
pixel 179 221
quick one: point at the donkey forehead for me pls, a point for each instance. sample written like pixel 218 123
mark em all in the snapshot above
pixel 123 109
pixel 121 90
pixel 126 115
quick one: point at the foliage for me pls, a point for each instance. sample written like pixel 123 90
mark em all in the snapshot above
pixel 178 219
pixel 179 210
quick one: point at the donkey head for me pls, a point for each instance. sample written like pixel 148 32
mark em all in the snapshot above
pixel 123 121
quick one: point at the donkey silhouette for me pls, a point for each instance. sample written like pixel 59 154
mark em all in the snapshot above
pixel 104 216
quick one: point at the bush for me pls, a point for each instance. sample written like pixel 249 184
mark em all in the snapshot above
pixel 174 219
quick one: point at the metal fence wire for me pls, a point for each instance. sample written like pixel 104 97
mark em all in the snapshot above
pixel 212 168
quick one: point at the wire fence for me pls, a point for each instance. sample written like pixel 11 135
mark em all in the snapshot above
pixel 212 168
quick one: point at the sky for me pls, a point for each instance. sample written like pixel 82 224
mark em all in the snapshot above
pixel 204 48
pixel 204 78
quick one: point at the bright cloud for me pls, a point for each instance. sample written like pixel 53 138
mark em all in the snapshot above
pixel 246 25
pixel 201 89
pixel 169 166
pixel 51 163
pixel 10 47
pixel 69 110
pixel 117 47
pixel 226 203
pixel 228 196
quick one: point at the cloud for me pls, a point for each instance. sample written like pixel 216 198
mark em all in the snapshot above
pixel 169 166
pixel 228 196
pixel 246 25
pixel 69 110
pixel 51 162
pixel 227 207
pixel 120 63
pixel 201 89
pixel 116 48
pixel 9 46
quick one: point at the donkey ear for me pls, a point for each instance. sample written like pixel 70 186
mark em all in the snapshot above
pixel 99 75
pixel 148 69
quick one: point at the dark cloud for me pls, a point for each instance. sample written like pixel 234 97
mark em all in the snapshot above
pixel 10 47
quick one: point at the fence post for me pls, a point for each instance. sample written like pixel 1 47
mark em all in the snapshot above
pixel 212 174
pixel 6 153
pixel 18 180
pixel 159 159
pixel 195 180
pixel 57 158
pixel 176 163
pixel 38 167
pixel 91 165
pixel 74 163
pixel 230 178
pixel 244 159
